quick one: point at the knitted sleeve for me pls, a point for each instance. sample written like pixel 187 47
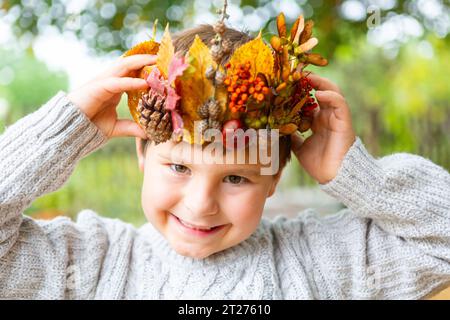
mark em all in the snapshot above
pixel 392 241
pixel 37 155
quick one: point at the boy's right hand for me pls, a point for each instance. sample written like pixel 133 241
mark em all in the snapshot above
pixel 98 99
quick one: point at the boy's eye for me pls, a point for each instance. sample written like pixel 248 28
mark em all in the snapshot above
pixel 179 168
pixel 233 179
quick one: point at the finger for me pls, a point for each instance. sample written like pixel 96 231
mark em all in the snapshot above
pixel 296 143
pixel 113 86
pixel 132 63
pixel 321 83
pixel 331 99
pixel 128 128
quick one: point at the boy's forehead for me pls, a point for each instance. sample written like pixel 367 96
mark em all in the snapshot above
pixel 187 153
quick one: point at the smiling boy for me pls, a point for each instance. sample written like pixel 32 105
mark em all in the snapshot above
pixel 205 237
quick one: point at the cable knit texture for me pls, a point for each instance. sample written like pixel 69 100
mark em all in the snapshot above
pixel 391 242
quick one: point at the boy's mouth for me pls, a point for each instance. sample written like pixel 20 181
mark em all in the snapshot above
pixel 198 230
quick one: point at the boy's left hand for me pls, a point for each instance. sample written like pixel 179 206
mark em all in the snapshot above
pixel 322 153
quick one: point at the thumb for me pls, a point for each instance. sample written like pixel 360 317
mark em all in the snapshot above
pixel 127 128
pixel 296 143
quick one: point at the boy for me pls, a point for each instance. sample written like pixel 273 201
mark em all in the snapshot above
pixel 206 238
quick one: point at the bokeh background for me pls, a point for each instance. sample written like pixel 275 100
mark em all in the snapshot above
pixel 390 57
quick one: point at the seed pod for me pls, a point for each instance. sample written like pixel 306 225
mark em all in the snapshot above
pixel 316 59
pixel 281 25
pixel 275 42
pixel 297 29
pixel 288 129
pixel 307 32
pixel 281 87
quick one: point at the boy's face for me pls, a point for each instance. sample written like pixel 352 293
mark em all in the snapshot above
pixel 200 207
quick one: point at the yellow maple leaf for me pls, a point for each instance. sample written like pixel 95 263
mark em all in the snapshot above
pixel 194 87
pixel 165 53
pixel 258 54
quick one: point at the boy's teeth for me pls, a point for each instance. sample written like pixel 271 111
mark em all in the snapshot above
pixel 192 226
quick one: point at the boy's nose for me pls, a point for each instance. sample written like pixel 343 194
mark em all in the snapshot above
pixel 199 201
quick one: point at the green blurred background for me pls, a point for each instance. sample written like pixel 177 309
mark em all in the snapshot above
pixel 391 59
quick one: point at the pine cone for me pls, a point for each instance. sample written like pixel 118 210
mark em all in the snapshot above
pixel 154 119
pixel 217 52
pixel 214 110
pixel 219 77
pixel 226 45
pixel 210 73
pixel 215 124
pixel 201 126
pixel 203 111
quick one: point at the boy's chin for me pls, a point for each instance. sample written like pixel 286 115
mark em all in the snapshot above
pixel 194 254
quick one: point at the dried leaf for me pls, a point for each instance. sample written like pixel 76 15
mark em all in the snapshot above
pixel 194 87
pixel 258 54
pixel 146 47
pixel 165 53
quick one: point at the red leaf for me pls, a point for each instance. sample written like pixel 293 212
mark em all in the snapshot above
pixel 177 121
pixel 156 82
pixel 176 68
pixel 172 98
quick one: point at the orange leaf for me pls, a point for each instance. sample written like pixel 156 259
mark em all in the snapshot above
pixel 146 47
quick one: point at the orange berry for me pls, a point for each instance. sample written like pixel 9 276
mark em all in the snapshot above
pixel 243 88
pixel 237 90
pixel 244 97
pixel 251 90
pixel 251 81
pixel 240 102
pixel 258 88
pixel 260 97
pixel 234 96
pixel 234 109
pixel 230 89
pixel 227 81
pixel 231 104
pixel 265 90
pixel 235 78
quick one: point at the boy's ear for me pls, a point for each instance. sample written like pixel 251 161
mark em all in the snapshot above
pixel 140 153
pixel 276 179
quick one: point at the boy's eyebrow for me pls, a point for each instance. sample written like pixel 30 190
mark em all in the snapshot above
pixel 242 171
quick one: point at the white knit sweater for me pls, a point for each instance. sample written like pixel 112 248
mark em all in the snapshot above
pixel 392 242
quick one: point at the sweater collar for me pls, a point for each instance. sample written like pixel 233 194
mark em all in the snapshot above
pixel 240 254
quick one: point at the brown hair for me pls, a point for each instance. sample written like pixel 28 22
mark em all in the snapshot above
pixel 183 40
